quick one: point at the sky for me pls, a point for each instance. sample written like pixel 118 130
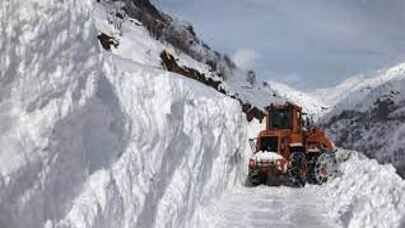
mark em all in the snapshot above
pixel 307 44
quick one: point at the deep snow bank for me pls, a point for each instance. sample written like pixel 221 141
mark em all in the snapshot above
pixel 366 195
pixel 85 143
pixel 185 146
pixel 49 69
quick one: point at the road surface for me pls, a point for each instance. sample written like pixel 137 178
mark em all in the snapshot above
pixel 265 206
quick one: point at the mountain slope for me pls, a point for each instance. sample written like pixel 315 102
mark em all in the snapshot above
pixel 311 104
pixel 137 42
pixel 370 117
pixel 352 90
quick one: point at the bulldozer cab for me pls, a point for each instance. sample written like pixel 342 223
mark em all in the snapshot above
pixel 279 119
pixel 287 116
pixel 283 127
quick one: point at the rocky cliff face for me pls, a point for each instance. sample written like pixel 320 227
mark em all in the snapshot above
pixel 177 33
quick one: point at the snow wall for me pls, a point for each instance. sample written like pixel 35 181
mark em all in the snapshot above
pixel 85 144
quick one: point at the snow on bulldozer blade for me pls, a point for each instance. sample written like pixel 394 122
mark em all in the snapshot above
pixel 300 153
pixel 264 166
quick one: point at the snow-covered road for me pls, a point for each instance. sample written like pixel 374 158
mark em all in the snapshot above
pixel 366 194
pixel 265 206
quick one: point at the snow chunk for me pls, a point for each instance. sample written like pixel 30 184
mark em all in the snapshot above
pixel 266 156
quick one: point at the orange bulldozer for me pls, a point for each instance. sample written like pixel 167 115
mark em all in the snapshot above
pixel 289 152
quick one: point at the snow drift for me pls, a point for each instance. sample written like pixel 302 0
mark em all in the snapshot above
pixel 367 194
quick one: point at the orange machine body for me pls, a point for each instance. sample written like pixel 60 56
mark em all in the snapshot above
pixel 293 136
pixel 284 134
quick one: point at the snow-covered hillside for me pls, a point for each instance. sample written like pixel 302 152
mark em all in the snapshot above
pixel 91 138
pixel 350 92
pixel 133 35
pixel 369 116
pixel 311 104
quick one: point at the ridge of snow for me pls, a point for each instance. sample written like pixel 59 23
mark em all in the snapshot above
pixel 357 87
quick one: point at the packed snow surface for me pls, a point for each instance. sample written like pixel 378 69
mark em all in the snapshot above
pixel 92 139
pixel 265 206
pixel 366 194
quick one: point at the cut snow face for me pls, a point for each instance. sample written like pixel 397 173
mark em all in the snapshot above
pixel 93 140
pixel 52 89
pixel 185 147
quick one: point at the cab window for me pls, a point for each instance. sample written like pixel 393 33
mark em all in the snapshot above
pixel 280 119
